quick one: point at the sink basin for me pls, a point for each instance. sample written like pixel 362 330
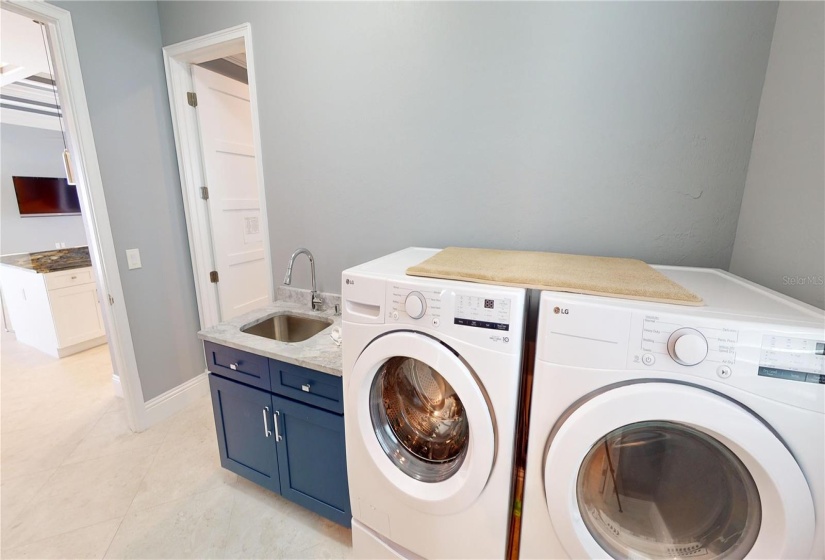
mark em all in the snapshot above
pixel 288 327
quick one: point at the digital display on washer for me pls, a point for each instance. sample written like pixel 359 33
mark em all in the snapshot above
pixel 793 359
pixel 482 313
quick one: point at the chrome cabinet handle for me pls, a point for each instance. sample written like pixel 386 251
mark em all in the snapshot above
pixel 305 387
pixel 267 431
pixel 234 366
pixel 277 430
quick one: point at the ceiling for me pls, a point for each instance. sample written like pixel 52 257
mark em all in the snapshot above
pixel 27 92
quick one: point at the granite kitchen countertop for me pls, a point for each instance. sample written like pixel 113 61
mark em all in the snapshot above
pixel 50 261
pixel 318 352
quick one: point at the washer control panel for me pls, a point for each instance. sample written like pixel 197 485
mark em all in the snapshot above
pixel 414 305
pixel 483 316
pixel 482 312
pixel 476 311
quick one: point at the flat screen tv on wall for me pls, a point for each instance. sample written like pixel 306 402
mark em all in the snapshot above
pixel 46 196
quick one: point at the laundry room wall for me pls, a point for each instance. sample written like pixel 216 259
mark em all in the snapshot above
pixel 619 129
pixel 780 241
pixel 121 61
pixel 32 152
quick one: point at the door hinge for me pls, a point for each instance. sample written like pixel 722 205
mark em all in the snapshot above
pixel 205 193
pixel 111 300
pixel 213 276
pixel 192 98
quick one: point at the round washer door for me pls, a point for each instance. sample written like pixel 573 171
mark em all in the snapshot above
pixel 663 470
pixel 424 420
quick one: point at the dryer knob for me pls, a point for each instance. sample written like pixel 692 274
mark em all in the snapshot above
pixel 415 305
pixel 687 346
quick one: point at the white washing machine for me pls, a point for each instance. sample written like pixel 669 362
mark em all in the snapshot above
pixel 664 431
pixel 432 370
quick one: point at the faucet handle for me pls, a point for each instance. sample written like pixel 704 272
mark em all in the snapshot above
pixel 317 302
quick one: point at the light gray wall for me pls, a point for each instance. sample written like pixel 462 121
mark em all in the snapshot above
pixel 619 129
pixel 32 152
pixel 780 241
pixel 121 60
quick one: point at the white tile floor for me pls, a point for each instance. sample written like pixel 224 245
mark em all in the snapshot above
pixel 76 483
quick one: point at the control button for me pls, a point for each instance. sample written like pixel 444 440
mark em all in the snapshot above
pixel 415 305
pixel 723 371
pixel 687 346
pixel 395 315
pixel 436 321
pixel 648 359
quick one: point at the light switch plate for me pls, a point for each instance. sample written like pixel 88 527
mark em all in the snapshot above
pixel 133 258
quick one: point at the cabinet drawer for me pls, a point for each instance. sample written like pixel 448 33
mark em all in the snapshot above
pixel 306 385
pixel 66 278
pixel 237 364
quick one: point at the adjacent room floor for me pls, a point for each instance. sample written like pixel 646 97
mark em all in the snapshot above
pixel 76 483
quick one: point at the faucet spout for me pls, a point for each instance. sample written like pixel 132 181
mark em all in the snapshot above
pixel 316 299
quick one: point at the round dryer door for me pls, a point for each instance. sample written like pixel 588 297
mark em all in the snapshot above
pixel 425 421
pixel 662 470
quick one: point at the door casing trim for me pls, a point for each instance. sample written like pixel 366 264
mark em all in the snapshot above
pixel 178 59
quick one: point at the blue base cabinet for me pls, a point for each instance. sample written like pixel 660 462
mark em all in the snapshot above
pixel 280 442
pixel 246 446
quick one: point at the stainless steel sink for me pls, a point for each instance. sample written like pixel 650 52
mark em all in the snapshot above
pixel 288 327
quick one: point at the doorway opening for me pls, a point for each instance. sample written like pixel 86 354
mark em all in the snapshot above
pixel 214 108
pixel 83 305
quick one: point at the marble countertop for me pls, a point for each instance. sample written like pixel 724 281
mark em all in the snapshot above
pixel 318 352
pixel 50 261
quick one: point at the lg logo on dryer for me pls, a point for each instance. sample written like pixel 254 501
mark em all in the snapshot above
pixel 561 311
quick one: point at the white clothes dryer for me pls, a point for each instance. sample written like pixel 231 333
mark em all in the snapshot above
pixel 432 370
pixel 665 431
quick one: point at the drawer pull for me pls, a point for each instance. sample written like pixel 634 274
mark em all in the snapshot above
pixel 74 277
pixel 277 430
pixel 267 431
pixel 305 387
pixel 234 366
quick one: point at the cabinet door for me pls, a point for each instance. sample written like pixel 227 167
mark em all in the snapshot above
pixel 76 314
pixel 312 459
pixel 244 420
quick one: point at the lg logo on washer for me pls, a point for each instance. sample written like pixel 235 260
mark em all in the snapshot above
pixel 561 311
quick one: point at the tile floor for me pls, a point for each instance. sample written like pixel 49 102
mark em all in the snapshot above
pixel 76 483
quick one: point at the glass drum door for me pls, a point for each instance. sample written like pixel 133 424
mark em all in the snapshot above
pixel 419 419
pixel 424 420
pixel 665 490
pixel 665 470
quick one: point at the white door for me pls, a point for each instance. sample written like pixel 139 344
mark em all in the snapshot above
pixel 664 470
pixel 424 420
pixel 225 120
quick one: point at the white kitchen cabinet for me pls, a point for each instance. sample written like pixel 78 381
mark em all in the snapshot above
pixel 56 312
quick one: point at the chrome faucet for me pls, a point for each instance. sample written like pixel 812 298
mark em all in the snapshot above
pixel 316 299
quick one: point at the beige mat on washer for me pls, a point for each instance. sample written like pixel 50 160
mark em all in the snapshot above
pixel 602 276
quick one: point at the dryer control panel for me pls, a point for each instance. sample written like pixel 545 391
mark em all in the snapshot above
pixel 793 359
pixel 786 362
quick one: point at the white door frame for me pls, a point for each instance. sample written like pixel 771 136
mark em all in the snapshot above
pixel 66 63
pixel 178 59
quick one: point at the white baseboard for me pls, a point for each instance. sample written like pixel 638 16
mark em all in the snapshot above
pixel 173 401
pixel 117 386
pixel 80 346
